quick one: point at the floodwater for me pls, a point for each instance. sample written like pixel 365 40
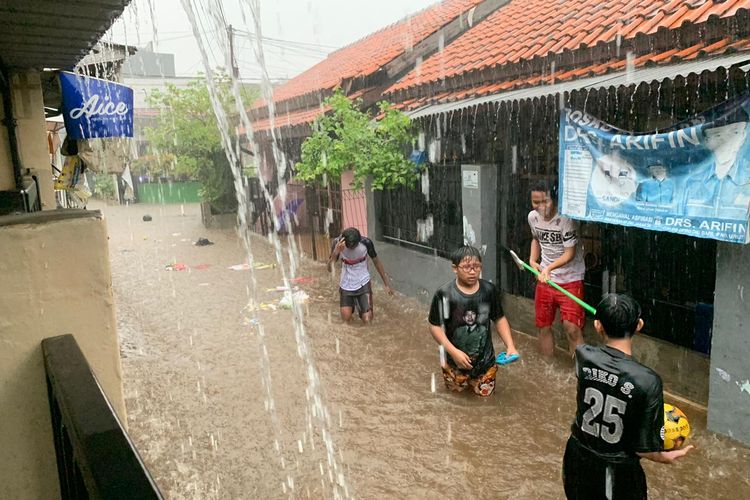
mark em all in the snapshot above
pixel 199 415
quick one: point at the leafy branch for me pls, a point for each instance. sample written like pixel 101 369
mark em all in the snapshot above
pixel 346 138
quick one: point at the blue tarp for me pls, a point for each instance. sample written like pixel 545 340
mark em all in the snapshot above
pixel 692 178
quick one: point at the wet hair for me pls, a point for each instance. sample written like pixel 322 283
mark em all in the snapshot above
pixel 619 315
pixel 547 187
pixel 462 252
pixel 351 236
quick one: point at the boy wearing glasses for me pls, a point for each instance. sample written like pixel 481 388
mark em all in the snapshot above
pixel 555 241
pixel 460 317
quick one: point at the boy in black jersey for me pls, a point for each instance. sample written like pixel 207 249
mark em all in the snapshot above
pixel 460 318
pixel 620 413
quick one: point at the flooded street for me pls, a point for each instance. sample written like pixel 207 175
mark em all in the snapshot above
pixel 198 412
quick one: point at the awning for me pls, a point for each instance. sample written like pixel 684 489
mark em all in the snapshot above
pixel 652 74
pixel 53 34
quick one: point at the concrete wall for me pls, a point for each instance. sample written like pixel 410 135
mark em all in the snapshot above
pixel 28 110
pixel 55 275
pixel 414 273
pixel 479 206
pixel 729 397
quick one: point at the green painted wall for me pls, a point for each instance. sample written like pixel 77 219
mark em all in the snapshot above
pixel 169 192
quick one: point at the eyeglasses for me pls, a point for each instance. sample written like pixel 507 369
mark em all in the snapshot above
pixel 468 268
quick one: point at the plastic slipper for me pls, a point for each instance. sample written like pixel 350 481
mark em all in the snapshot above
pixel 505 359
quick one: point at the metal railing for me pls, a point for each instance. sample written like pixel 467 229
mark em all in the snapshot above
pixel 401 211
pixel 95 457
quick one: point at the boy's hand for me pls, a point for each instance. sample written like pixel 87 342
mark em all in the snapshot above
pixel 388 290
pixel 667 457
pixel 340 246
pixel 543 276
pixel 675 455
pixel 535 265
pixel 461 358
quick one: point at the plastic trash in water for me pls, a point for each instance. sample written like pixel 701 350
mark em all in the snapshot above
pixel 300 297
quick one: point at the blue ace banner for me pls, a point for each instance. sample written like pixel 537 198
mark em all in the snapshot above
pixel 94 108
pixel 692 178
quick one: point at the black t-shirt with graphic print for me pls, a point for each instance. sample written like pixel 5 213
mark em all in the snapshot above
pixel 620 404
pixel 467 320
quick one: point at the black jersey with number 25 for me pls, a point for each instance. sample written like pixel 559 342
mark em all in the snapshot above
pixel 620 404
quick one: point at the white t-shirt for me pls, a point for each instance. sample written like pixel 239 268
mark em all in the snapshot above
pixel 354 271
pixel 554 236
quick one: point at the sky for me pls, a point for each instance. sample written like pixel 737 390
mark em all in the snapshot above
pixel 297 33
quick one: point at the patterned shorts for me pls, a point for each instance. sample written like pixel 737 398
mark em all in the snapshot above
pixel 457 380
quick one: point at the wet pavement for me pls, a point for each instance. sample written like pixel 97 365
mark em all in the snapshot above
pixel 198 412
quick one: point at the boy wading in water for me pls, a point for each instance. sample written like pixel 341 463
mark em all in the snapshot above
pixel 460 319
pixel 355 290
pixel 620 412
pixel 556 242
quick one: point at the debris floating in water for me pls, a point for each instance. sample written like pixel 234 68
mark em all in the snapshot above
pixel 202 242
pixel 246 267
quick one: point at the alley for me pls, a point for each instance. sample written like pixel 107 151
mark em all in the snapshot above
pixel 193 368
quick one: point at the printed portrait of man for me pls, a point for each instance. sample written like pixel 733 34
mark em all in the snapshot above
pixel 658 189
pixel 723 190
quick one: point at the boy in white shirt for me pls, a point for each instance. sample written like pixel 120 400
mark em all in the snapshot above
pixel 556 243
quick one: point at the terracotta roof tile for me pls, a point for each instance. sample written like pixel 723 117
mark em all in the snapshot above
pixel 368 55
pixel 288 119
pixel 596 69
pixel 522 29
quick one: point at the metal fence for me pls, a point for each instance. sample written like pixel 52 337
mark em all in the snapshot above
pixel 320 219
pixel 428 218
pixel 95 457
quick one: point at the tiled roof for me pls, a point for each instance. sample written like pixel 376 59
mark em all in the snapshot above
pixel 523 29
pixel 292 119
pixel 672 56
pixel 297 117
pixel 366 56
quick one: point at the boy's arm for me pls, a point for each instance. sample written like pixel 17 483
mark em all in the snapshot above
pixel 666 457
pixel 336 249
pixel 536 252
pixel 461 358
pixel 381 271
pixel 503 329
pixel 568 254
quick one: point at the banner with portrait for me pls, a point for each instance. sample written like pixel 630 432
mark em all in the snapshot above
pixel 692 178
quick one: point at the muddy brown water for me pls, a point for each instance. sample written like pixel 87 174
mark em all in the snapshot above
pixel 197 407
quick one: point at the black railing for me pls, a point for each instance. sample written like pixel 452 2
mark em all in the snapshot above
pixel 95 457
pixel 431 224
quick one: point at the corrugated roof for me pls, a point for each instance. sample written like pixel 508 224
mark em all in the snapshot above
pixel 368 55
pixel 524 29
pixel 53 34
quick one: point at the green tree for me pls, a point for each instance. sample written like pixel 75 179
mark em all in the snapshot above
pixel 187 141
pixel 346 138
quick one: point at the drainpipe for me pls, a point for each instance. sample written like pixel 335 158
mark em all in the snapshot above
pixel 10 123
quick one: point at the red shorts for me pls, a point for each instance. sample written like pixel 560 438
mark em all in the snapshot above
pixel 547 300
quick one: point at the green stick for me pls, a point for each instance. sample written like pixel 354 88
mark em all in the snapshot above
pixel 521 264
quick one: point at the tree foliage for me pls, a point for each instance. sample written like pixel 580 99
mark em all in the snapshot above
pixel 186 140
pixel 348 139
